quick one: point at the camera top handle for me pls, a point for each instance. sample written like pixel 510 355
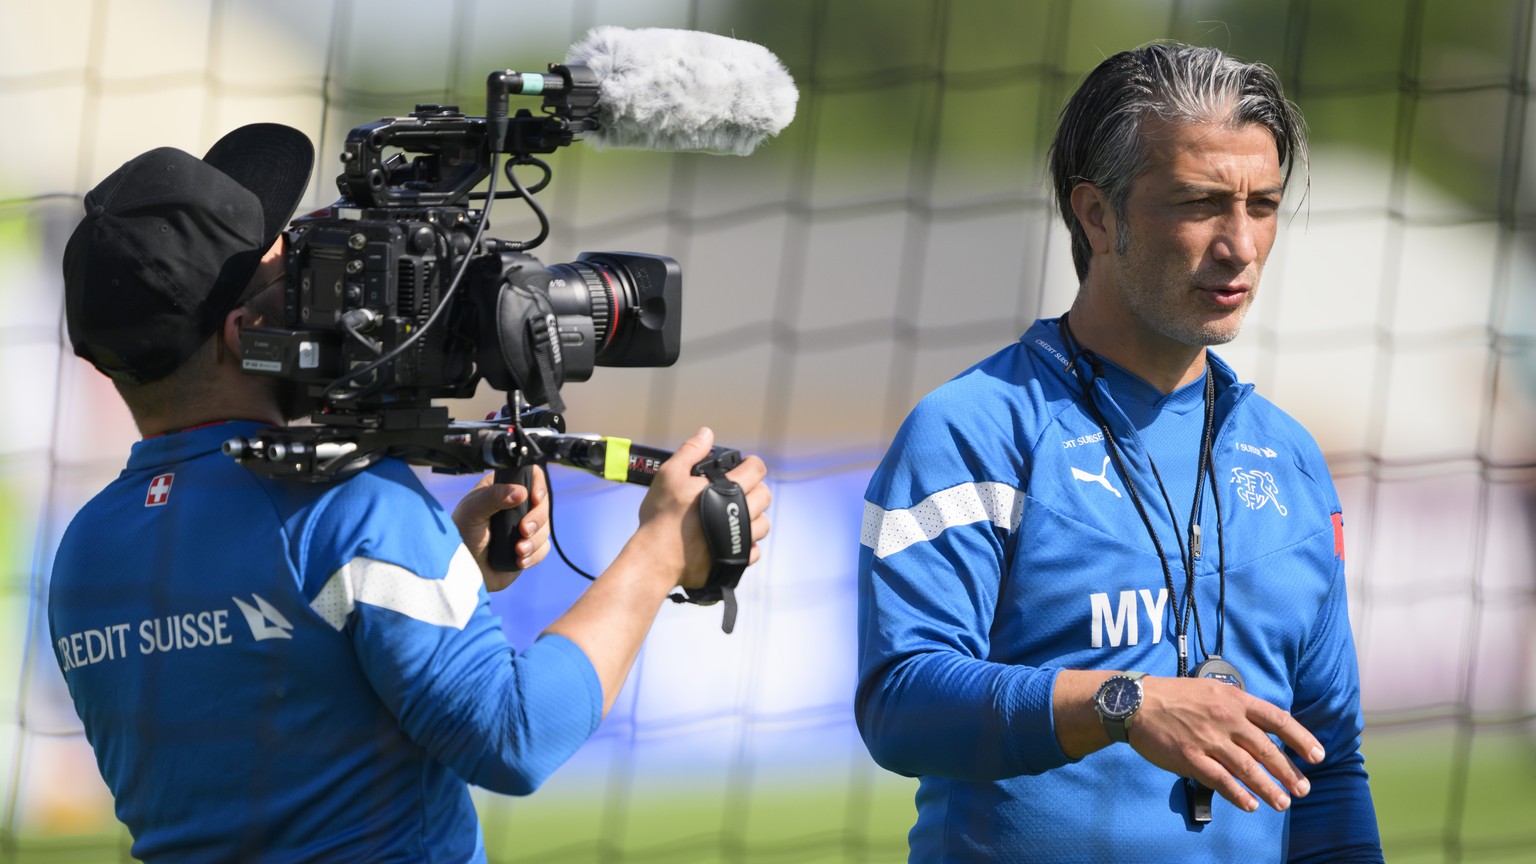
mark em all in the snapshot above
pixel 453 160
pixel 454 151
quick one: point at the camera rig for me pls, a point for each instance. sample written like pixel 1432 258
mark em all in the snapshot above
pixel 396 297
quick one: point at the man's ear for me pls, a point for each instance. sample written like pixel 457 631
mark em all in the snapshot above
pixel 1095 214
pixel 238 319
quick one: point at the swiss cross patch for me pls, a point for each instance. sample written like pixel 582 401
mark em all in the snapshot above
pixel 159 490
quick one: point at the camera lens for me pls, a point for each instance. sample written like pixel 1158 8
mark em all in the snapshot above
pixel 603 309
pixel 593 291
pixel 634 300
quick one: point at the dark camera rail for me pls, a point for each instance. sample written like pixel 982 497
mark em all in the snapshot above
pixel 323 453
pixel 345 445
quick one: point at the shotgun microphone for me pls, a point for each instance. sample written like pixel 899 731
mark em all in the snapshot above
pixel 684 90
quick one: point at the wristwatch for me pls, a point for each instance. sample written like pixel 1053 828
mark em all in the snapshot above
pixel 1117 701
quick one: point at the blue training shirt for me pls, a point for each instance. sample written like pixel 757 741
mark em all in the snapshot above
pixel 279 670
pixel 1001 545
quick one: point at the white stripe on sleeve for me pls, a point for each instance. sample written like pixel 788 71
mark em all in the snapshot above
pixel 446 602
pixel 890 531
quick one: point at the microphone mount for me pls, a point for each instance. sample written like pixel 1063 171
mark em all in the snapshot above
pixel 570 103
pixel 452 152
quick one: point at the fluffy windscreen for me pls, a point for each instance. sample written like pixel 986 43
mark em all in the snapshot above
pixel 684 90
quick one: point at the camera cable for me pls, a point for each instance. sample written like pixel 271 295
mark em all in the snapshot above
pixel 458 277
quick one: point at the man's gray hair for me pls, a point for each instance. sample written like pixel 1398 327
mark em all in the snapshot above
pixel 1098 137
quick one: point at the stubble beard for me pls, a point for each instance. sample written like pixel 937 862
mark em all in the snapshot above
pixel 1168 315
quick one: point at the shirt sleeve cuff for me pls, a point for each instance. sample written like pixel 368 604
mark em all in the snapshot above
pixel 1031 719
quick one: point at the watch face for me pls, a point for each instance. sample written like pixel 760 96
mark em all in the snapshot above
pixel 1119 698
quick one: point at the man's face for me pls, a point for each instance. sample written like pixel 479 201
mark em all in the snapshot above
pixel 1198 226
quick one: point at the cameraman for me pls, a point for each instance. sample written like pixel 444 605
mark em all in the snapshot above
pixel 305 671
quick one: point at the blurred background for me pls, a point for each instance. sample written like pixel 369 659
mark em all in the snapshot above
pixel 896 232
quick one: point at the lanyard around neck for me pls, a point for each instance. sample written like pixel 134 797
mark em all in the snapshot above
pixel 1185 608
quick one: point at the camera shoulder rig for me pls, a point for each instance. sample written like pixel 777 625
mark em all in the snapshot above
pixel 334 450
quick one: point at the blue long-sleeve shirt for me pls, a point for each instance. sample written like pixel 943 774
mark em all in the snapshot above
pixel 277 670
pixel 1001 545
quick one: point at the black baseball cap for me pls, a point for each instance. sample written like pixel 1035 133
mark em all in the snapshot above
pixel 169 242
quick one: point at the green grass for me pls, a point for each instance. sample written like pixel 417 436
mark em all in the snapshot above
pixel 1425 816
pixel 816 822
pixel 829 819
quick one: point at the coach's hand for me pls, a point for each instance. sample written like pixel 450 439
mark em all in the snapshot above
pixel 473 517
pixel 1219 735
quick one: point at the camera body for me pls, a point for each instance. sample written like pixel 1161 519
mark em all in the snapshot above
pixel 363 283
pixel 396 297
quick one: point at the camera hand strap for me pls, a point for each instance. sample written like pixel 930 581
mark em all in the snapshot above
pixel 544 339
pixel 728 533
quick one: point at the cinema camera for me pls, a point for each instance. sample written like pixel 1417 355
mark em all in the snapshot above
pixel 396 297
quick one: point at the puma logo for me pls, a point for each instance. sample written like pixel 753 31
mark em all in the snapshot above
pixel 1101 478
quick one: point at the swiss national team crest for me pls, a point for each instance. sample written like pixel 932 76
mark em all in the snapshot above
pixel 159 490
pixel 1256 489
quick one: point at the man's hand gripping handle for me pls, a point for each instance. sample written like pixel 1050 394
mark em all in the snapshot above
pixel 505 530
pixel 727 531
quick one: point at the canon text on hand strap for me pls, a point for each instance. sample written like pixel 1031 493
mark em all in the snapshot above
pixel 728 533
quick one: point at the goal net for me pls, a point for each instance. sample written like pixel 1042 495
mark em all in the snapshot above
pixel 899 230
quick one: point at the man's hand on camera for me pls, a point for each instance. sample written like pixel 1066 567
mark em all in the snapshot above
pixel 670 512
pixel 473 516
pixel 609 621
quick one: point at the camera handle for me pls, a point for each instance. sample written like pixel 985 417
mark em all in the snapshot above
pixel 727 531
pixel 505 530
